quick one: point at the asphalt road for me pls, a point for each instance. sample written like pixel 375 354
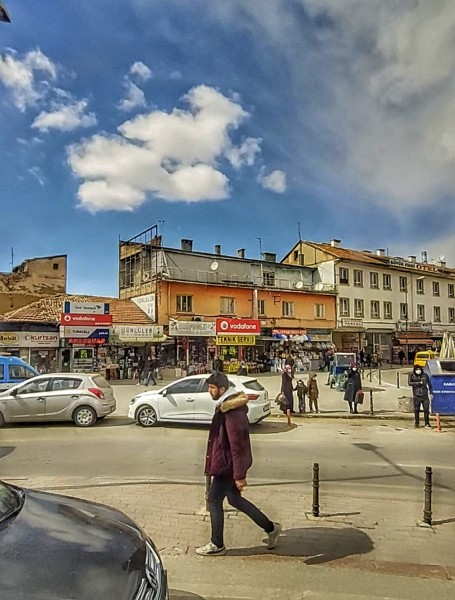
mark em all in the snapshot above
pixel 364 458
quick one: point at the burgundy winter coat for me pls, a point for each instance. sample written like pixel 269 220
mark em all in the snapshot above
pixel 228 447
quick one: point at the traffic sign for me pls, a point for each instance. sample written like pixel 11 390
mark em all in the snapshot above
pixel 86 308
pixel 71 319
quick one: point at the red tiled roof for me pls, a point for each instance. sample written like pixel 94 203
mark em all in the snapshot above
pixel 349 254
pixel 48 310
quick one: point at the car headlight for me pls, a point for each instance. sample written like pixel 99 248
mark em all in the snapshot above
pixel 133 400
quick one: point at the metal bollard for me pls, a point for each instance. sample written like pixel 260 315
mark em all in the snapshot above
pixel 428 493
pixel 208 482
pixel 315 490
pixel 370 374
pixel 371 403
pixel 398 379
pixel 379 377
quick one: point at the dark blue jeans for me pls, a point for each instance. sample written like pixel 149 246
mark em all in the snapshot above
pixel 224 487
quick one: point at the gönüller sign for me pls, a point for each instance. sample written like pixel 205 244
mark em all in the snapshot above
pixel 72 319
pixel 238 326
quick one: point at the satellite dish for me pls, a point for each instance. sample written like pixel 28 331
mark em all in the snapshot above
pixel 299 285
pixel 319 286
pixel 441 258
pixel 214 266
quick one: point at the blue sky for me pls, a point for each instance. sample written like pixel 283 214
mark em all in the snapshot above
pixel 226 122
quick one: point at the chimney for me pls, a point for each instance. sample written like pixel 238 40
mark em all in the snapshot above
pixel 335 243
pixel 186 245
pixel 412 258
pixel 424 255
pixel 269 257
pixel 217 249
pixel 241 252
pixel 380 252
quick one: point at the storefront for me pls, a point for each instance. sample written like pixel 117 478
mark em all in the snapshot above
pixel 307 345
pixel 379 341
pixel 38 348
pixel 349 335
pixel 411 338
pixel 193 348
pixel 238 342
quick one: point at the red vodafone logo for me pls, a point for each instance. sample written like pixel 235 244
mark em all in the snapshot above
pixel 239 326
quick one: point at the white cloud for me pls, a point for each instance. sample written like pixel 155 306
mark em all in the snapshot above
pixel 275 181
pixel 65 117
pixel 141 70
pixel 37 174
pixel 173 156
pixel 134 98
pixel 21 78
pixel 175 75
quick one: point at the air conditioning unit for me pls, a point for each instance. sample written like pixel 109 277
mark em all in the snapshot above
pixel 198 318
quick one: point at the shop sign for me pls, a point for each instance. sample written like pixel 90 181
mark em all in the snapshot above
pixel 352 323
pixel 289 332
pixel 71 319
pixel 317 337
pixel 40 340
pixel 147 304
pixel 84 332
pixel 87 341
pixel 86 308
pixel 192 328
pixel 139 333
pixel 238 326
pixel 10 339
pixel 235 340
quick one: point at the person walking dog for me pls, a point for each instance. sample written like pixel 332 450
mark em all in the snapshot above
pixel 228 459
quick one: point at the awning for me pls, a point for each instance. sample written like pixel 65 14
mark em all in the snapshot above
pixel 414 341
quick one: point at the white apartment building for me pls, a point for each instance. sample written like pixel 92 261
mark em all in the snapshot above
pixel 383 302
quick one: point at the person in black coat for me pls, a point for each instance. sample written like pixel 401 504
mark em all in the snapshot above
pixel 287 389
pixel 418 381
pixel 352 386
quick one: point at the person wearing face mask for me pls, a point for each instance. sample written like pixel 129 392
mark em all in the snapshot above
pixel 353 385
pixel 418 382
pixel 287 389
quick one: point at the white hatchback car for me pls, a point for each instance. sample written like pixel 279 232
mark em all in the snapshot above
pixel 187 400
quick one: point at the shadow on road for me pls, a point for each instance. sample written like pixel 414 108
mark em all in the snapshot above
pixel 5 450
pixel 317 544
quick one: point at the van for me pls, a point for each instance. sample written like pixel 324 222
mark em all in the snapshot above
pixel 14 370
pixel 421 358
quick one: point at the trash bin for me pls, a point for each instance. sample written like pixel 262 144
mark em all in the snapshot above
pixel 441 373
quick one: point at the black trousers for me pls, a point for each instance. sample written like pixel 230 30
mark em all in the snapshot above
pixel 425 404
pixel 224 487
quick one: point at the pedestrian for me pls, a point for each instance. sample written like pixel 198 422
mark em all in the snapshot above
pixel 287 389
pixel 323 361
pixel 401 356
pixel 290 361
pixel 151 371
pixel 242 369
pixel 352 386
pixel 313 393
pixel 228 459
pixel 418 382
pixel 301 395
pixel 140 369
pixel 362 357
pixel 218 365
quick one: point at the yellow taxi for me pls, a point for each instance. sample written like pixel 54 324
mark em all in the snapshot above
pixel 422 357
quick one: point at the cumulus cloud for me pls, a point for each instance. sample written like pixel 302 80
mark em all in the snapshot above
pixel 65 117
pixel 171 155
pixel 26 77
pixel 135 97
pixel 141 70
pixel 275 181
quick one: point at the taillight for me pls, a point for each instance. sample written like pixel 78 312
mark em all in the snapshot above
pixel 97 392
pixel 252 396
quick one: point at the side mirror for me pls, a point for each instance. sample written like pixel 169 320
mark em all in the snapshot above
pixel 13 392
pixel 164 392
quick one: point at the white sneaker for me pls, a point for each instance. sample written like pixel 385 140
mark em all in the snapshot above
pixel 211 550
pixel 272 537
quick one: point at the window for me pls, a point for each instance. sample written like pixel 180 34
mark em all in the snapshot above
pixel 185 304
pixel 227 305
pixel 261 307
pixel 420 312
pixel 403 284
pixel 387 310
pixel 436 288
pixel 55 266
pixel 403 311
pixel 451 315
pixel 344 275
pixel 186 386
pixel 386 281
pixel 374 281
pixel 268 278
pixel 437 314
pixel 374 309
pixel 65 383
pixel 358 278
pixel 420 288
pixel 34 387
pixel 287 309
pixel 296 255
pixel 319 311
pixel 344 307
pixel 451 290
pixel 359 311
pixel 19 372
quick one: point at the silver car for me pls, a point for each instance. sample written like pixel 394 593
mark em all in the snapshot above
pixel 74 397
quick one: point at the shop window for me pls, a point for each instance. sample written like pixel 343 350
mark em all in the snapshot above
pixel 287 309
pixel 344 276
pixel 420 287
pixel 374 309
pixel 403 311
pixel 420 312
pixel 437 314
pixel 387 281
pixel 261 307
pixel 358 278
pixel 184 304
pixel 374 281
pixel 359 310
pixel 436 288
pixel 451 290
pixel 403 284
pixel 387 310
pixel 227 305
pixel 344 307
pixel 319 311
pixel 268 278
pixel 451 315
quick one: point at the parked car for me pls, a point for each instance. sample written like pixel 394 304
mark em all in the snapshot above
pixel 74 397
pixel 54 547
pixel 14 370
pixel 188 400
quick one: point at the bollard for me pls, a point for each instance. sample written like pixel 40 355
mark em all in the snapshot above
pixel 398 379
pixel 428 492
pixel 379 377
pixel 371 403
pixel 208 482
pixel 315 511
pixel 370 374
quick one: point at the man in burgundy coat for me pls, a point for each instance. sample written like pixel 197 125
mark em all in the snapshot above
pixel 227 462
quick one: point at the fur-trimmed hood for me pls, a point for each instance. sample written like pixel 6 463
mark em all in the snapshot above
pixel 234 401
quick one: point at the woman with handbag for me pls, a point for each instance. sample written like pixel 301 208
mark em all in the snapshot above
pixel 352 387
pixel 287 389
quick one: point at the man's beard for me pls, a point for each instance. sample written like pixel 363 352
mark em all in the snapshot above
pixel 217 395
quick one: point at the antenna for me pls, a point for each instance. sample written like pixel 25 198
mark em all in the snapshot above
pixel 214 266
pixel 12 258
pixel 298 229
pixel 260 247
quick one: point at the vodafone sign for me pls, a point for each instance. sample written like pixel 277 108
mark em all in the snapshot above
pixel 72 319
pixel 238 326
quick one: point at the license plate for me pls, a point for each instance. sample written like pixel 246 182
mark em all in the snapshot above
pixel 266 408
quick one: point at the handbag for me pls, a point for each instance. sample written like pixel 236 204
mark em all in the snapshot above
pixel 359 397
pixel 280 399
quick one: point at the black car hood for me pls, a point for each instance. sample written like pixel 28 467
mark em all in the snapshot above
pixel 60 548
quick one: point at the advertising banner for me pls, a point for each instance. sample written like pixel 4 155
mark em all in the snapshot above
pixel 238 326
pixel 192 328
pixel 235 340
pixel 74 319
pixel 86 308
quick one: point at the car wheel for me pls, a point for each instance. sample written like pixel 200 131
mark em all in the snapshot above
pixel 147 417
pixel 84 416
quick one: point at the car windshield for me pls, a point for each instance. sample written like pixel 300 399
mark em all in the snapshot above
pixel 10 501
